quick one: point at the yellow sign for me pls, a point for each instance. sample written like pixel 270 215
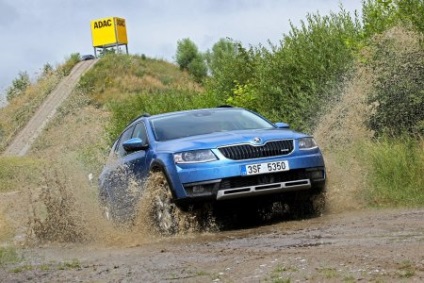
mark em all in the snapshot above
pixel 107 32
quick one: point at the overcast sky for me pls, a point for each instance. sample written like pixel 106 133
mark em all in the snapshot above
pixel 36 32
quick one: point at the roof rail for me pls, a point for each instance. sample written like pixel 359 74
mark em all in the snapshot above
pixel 224 106
pixel 138 117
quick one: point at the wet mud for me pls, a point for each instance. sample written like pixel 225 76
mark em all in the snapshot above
pixel 367 245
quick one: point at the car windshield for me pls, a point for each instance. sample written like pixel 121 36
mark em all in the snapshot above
pixel 200 122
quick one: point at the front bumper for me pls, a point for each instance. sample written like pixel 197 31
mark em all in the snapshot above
pixel 239 187
pixel 201 182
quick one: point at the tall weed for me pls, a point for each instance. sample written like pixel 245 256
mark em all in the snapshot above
pixel 396 172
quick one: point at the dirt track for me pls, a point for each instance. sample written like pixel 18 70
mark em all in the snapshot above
pixel 366 246
pixel 24 139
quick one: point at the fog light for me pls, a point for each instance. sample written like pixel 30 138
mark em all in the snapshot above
pixel 317 174
pixel 198 189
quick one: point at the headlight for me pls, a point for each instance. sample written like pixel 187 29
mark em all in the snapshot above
pixel 194 156
pixel 307 143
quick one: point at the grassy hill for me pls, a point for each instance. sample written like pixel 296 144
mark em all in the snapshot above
pixel 59 174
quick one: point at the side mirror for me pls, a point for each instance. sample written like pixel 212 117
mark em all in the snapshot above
pixel 134 144
pixel 282 125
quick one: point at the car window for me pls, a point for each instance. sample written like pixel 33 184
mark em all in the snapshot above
pixel 202 122
pixel 140 132
pixel 120 151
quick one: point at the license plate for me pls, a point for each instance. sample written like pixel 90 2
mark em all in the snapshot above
pixel 267 167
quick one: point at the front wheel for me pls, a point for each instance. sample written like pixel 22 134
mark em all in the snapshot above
pixel 159 213
pixel 164 212
pixel 309 203
pixel 156 206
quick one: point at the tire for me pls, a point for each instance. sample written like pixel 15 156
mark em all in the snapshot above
pixel 159 213
pixel 118 204
pixel 307 204
pixel 157 203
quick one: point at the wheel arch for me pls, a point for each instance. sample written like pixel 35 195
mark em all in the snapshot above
pixel 159 167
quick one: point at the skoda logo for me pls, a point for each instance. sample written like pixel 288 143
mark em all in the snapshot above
pixel 257 140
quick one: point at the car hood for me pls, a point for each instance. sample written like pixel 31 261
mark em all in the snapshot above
pixel 220 139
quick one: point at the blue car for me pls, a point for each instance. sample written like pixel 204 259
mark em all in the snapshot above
pixel 217 156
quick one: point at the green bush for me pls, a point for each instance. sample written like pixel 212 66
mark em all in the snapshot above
pixel 66 68
pixel 19 85
pixel 231 66
pixel 398 97
pixel 290 81
pixel 396 172
pixel 381 15
pixel 198 69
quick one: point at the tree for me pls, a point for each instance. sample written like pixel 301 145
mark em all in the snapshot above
pixel 186 52
pixel 231 66
pixel 189 58
pixel 197 68
pixel 223 51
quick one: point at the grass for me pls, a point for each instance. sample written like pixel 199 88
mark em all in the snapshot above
pixel 15 172
pixel 406 269
pixel 278 276
pixel 66 265
pixel 396 172
pixel 328 272
pixel 8 255
pixel 73 264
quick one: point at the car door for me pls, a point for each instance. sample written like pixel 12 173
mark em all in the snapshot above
pixel 123 179
pixel 136 161
pixel 115 175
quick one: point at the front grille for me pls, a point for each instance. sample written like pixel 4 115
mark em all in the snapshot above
pixel 247 151
pixel 247 181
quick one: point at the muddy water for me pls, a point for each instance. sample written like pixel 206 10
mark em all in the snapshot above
pixel 340 135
